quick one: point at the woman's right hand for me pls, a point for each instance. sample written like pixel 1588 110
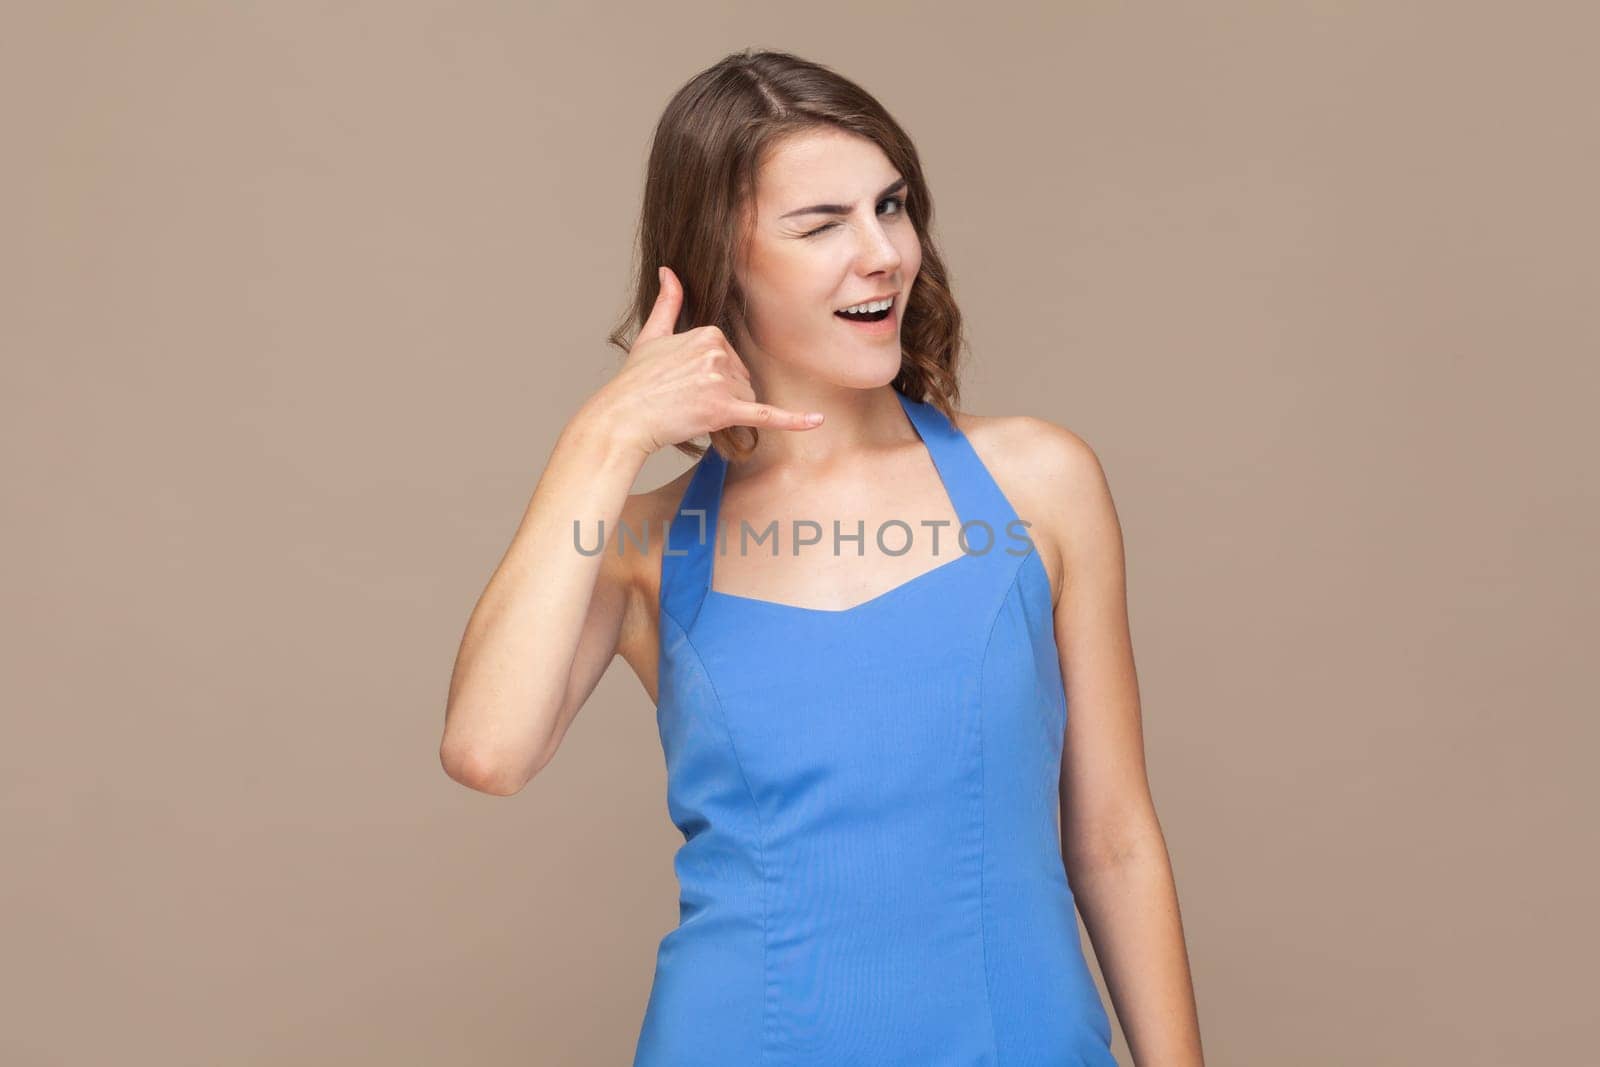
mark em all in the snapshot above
pixel 676 386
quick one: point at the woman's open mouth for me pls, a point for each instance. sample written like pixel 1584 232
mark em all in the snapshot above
pixel 873 317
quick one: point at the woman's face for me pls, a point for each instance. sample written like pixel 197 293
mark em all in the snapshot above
pixel 830 231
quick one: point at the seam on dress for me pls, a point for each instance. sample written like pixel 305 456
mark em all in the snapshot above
pixel 1048 623
pixel 983 805
pixel 761 832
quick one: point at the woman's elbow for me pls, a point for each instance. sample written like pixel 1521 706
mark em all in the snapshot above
pixel 481 770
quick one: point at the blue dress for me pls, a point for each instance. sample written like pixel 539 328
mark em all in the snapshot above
pixel 871 869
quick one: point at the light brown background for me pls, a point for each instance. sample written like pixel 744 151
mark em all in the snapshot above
pixel 297 296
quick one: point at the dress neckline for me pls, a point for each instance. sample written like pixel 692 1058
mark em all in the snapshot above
pixel 935 431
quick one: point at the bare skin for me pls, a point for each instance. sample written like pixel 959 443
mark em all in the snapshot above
pixel 552 620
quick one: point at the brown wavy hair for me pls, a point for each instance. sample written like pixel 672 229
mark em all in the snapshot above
pixel 708 148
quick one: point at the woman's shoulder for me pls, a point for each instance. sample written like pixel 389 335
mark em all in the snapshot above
pixel 648 515
pixel 1048 471
pixel 634 550
pixel 1029 440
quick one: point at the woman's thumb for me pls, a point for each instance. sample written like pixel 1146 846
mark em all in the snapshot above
pixel 669 300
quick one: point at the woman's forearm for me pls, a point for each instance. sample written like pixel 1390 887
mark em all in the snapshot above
pixel 1129 904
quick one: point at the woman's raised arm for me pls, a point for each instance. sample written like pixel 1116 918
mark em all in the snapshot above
pixel 547 625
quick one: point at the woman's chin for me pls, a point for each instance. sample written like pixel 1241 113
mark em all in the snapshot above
pixel 871 372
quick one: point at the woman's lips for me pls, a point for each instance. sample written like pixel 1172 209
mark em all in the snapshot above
pixel 884 327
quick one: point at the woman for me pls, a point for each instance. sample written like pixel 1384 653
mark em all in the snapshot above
pixel 867 751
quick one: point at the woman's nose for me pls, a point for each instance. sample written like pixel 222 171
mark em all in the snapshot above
pixel 878 253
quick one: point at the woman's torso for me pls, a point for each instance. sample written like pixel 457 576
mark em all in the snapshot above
pixel 871 869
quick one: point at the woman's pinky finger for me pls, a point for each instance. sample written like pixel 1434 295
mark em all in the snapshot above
pixel 756 414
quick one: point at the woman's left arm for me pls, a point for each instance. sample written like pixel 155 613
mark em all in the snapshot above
pixel 1112 845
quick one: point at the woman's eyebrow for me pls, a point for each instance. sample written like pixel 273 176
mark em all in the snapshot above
pixel 841 209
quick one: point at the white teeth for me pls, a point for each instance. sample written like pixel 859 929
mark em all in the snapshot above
pixel 875 305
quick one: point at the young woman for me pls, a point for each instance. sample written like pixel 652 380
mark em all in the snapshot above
pixel 868 742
